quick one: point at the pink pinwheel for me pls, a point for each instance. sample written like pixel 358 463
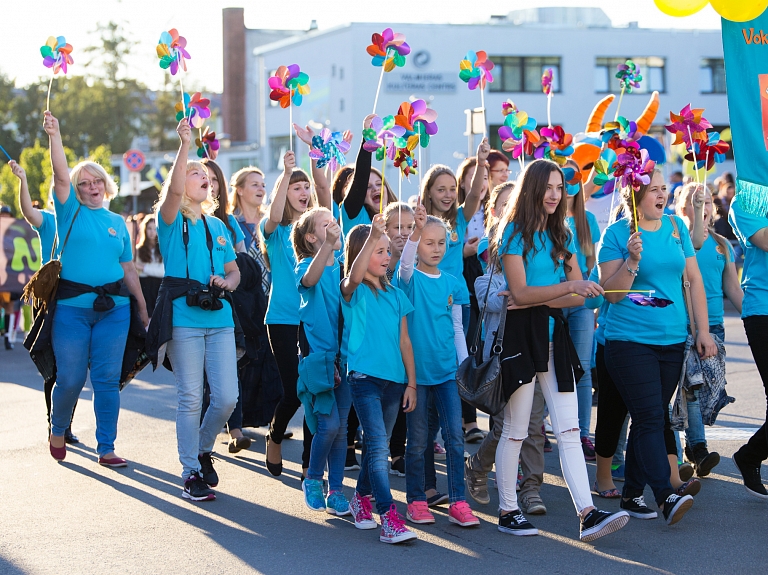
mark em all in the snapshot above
pixel 634 168
pixel 384 137
pixel 56 54
pixel 546 81
pixel 172 51
pixel 289 85
pixel 518 134
pixel 388 49
pixel 508 108
pixel 328 149
pixel 555 145
pixel 689 124
pixel 648 301
pixel 419 122
pixel 475 70
pixel 207 144
pixel 200 109
pixel 708 153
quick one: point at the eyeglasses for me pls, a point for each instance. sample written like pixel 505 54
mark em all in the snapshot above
pixel 96 182
pixel 502 171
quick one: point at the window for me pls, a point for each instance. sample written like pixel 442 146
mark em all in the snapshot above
pixel 712 76
pixel 236 164
pixel 523 73
pixel 278 146
pixel 651 68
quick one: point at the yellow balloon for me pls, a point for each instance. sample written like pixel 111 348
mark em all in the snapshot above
pixel 680 7
pixel 739 10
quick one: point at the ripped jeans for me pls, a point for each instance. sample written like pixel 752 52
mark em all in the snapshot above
pixel 564 413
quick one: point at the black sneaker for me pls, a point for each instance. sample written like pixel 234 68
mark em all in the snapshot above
pixel 351 464
pixel 751 475
pixel 675 507
pixel 637 508
pixel 515 523
pixel 704 460
pixel 598 523
pixel 197 490
pixel 397 467
pixel 207 472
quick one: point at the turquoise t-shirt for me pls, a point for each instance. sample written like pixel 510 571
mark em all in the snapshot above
pixel 711 259
pixel 540 270
pixel 171 240
pixel 98 245
pixel 47 233
pixel 347 223
pixel 239 235
pixel 661 269
pixel 754 275
pixel 284 301
pixel 453 262
pixel 598 302
pixel 430 325
pixel 373 324
pixel 594 231
pixel 482 247
pixel 319 311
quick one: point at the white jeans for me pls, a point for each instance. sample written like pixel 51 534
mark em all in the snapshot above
pixel 564 411
pixel 194 351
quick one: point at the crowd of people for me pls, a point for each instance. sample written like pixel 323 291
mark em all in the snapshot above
pixel 370 306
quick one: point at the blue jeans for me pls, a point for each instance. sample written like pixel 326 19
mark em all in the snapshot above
pixel 430 475
pixel 376 403
pixel 446 400
pixel 581 325
pixel 646 377
pixel 84 338
pixel 695 432
pixel 329 444
pixel 194 350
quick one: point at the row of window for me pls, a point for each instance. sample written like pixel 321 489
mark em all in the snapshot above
pixel 523 74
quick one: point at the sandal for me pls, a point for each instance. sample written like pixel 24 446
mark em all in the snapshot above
pixel 608 493
pixel 275 469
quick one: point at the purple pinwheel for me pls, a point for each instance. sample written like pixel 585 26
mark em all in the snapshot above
pixel 418 121
pixel 634 168
pixel 629 76
pixel 621 133
pixel 690 124
pixel 384 137
pixel 648 301
pixel 328 149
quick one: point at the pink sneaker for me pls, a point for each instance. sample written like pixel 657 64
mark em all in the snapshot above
pixel 393 529
pixel 362 512
pixel 418 512
pixel 439 452
pixel 461 513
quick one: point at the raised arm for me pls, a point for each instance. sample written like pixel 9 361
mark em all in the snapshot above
pixel 277 206
pixel 171 202
pixel 61 181
pixel 360 265
pixel 322 188
pixel 697 229
pixel 408 257
pixel 325 253
pixel 33 216
pixel 355 199
pixel 479 179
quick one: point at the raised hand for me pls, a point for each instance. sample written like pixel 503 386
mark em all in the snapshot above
pixel 635 247
pixel 17 170
pixel 289 162
pixel 332 233
pixel 50 124
pixel 420 216
pixel 304 134
pixel 184 131
pixel 483 150
pixel 378 226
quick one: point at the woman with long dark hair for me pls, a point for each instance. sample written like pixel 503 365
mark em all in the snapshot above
pixel 149 261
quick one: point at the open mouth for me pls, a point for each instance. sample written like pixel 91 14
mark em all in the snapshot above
pixel 303 202
pixel 660 205
pixel 205 185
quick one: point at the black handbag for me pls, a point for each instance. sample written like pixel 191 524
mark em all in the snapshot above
pixel 479 381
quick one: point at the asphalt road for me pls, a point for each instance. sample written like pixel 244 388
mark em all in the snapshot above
pixel 79 518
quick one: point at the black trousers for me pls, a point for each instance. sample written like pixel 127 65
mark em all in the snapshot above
pixel 399 433
pixel 755 451
pixel 611 411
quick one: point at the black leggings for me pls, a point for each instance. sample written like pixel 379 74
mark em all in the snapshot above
pixel 352 424
pixel 399 434
pixel 755 451
pixel 283 339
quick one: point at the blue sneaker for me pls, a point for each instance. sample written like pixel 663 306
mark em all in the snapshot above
pixel 313 494
pixel 618 473
pixel 337 504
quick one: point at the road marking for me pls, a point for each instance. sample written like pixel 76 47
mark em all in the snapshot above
pixel 730 433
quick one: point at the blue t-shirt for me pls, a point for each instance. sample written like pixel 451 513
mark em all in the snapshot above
pixel 598 302
pixel 171 240
pixel 347 223
pixel 540 270
pixel 430 325
pixel 453 262
pixel 98 245
pixel 594 232
pixel 482 247
pixel 754 275
pixel 284 301
pixel 661 269
pixel 319 311
pixel 373 324
pixel 712 261
pixel 47 233
pixel 239 235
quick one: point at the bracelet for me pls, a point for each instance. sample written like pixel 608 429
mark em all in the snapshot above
pixel 631 271
pixel 411 386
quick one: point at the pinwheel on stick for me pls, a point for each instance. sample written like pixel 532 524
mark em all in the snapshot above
pixel 388 51
pixel 289 86
pixel 56 55
pixel 475 71
pixel 172 52
pixel 384 137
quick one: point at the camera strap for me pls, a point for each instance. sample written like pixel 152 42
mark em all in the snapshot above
pixel 208 242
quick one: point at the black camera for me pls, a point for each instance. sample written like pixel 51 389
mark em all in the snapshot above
pixel 205 297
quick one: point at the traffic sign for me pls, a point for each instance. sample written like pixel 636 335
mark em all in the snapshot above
pixel 134 160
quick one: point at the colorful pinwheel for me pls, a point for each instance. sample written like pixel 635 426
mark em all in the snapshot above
pixel 475 70
pixel 289 85
pixel 555 145
pixel 572 175
pixel 648 301
pixel 508 108
pixel 629 76
pixel 707 153
pixel 633 168
pixel 546 81
pixel 200 109
pixel 620 134
pixel 182 108
pixel 388 49
pixel 328 149
pixel 405 161
pixel 384 137
pixel 605 165
pixel 56 54
pixel 688 125
pixel 172 51
pixel 207 144
pixel 419 122
pixel 518 134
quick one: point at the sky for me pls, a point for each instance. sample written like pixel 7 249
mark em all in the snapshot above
pixel 28 23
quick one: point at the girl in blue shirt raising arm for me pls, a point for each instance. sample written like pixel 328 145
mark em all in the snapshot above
pixel 380 360
pixel 644 345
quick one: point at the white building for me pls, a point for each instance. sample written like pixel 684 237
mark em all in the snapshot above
pixel 579 44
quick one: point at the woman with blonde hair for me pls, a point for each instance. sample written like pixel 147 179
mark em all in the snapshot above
pixel 91 313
